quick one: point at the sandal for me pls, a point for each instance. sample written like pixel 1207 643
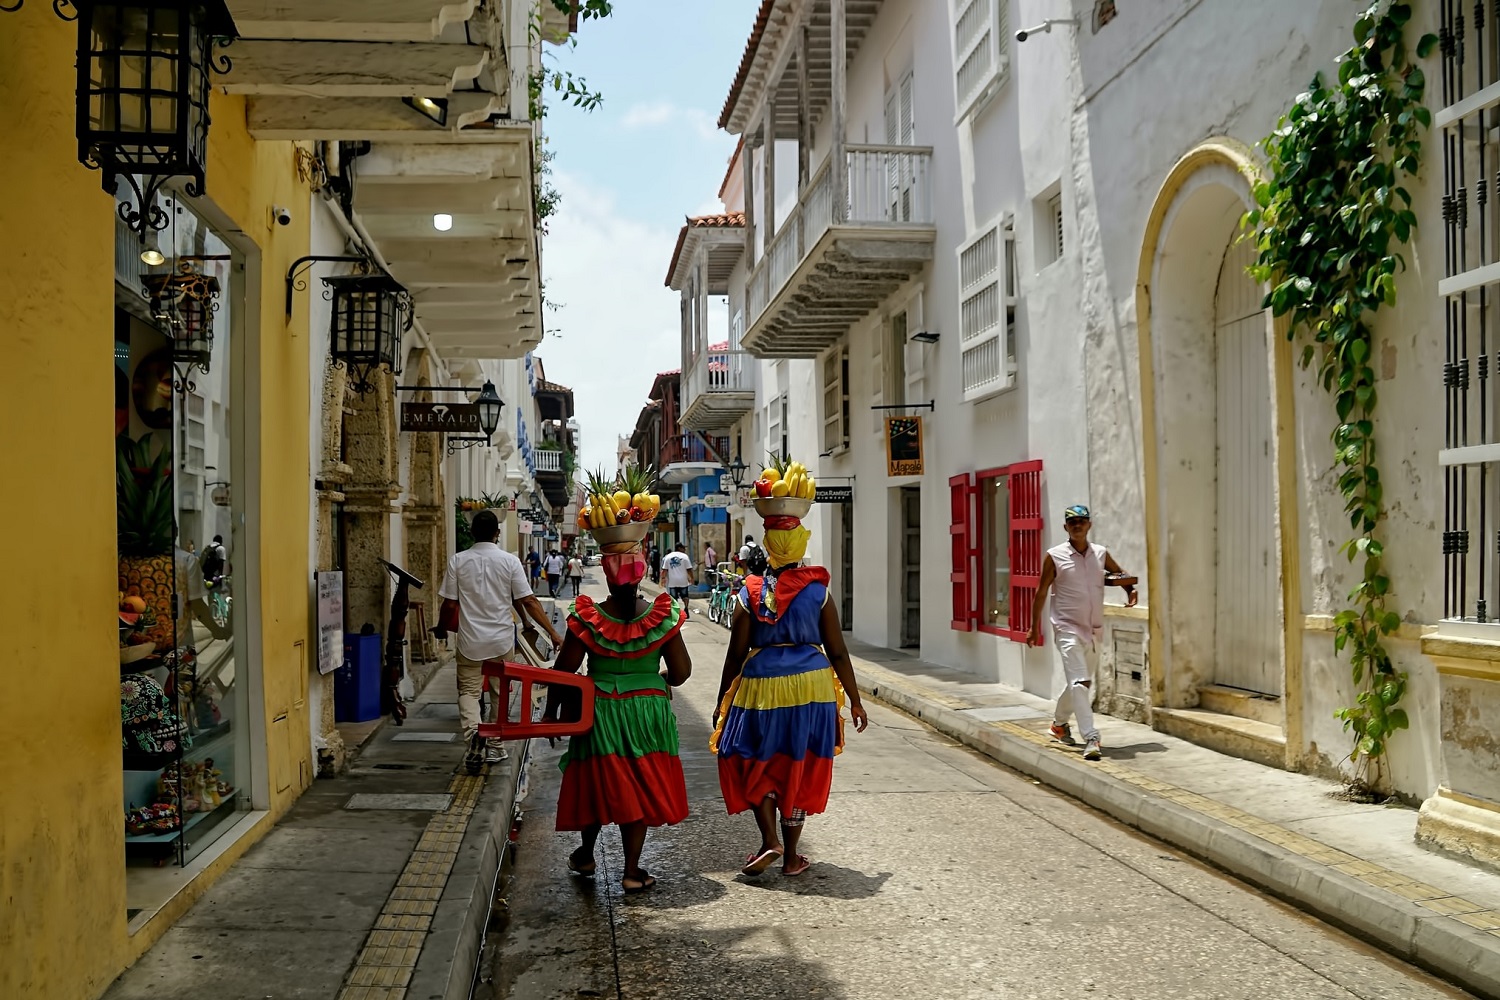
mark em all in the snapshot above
pixel 585 871
pixel 797 867
pixel 640 885
pixel 755 864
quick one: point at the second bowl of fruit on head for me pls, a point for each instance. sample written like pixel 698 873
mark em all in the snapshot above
pixel 784 489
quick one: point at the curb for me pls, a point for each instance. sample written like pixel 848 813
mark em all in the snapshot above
pixel 449 960
pixel 1461 954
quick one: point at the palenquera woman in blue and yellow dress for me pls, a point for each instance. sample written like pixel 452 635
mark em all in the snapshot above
pixel 786 677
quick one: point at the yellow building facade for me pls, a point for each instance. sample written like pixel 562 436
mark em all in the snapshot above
pixel 68 920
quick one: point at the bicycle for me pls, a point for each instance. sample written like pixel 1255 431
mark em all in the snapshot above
pixel 721 598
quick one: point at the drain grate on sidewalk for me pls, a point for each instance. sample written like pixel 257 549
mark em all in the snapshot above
pixel 385 964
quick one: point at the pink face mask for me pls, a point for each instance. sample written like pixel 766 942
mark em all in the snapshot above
pixel 625 568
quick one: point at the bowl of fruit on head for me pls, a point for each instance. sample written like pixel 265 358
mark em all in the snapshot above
pixel 784 489
pixel 618 510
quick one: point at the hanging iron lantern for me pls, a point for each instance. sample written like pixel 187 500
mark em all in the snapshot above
pixel 183 303
pixel 490 405
pixel 371 314
pixel 143 83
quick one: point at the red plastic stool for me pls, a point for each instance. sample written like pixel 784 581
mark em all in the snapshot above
pixel 524 729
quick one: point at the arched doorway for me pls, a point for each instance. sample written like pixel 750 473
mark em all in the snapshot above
pixel 1220 473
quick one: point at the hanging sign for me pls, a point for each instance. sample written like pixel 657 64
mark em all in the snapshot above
pixel 833 494
pixel 330 621
pixel 744 497
pixel 219 495
pixel 903 446
pixel 452 418
pixel 715 501
pixel 725 482
pixel 524 527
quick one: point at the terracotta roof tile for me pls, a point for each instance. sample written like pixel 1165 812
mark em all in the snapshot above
pixel 726 220
pixel 718 348
pixel 757 31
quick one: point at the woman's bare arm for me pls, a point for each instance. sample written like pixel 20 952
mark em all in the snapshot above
pixel 838 655
pixel 679 663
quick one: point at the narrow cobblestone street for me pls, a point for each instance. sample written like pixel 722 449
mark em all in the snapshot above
pixel 935 873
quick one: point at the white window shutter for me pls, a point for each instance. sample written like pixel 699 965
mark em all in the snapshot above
pixel 981 50
pixel 982 313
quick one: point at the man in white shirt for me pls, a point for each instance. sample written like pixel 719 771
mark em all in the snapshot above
pixel 678 568
pixel 485 589
pixel 1077 570
pixel 554 569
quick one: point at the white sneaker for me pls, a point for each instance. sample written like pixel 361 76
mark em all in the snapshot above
pixel 494 751
pixel 1092 749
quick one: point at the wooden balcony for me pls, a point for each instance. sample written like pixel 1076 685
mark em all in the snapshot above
pixel 825 269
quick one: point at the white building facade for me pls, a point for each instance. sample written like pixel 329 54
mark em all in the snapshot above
pixel 1037 243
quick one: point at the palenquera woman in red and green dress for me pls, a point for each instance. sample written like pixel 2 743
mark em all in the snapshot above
pixel 625 770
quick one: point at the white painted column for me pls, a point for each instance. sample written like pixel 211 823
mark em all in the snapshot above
pixel 702 286
pixel 768 168
pixel 747 167
pixel 840 165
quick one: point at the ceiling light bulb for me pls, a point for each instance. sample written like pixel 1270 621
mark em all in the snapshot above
pixel 442 222
pixel 152 257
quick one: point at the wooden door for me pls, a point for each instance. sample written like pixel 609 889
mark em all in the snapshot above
pixel 911 567
pixel 1246 622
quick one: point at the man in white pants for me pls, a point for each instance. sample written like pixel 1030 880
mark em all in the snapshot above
pixel 486 591
pixel 1076 569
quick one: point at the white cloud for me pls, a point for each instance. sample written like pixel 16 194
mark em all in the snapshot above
pixel 619 325
pixel 660 114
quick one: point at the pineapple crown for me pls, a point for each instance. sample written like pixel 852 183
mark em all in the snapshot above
pixel 145 507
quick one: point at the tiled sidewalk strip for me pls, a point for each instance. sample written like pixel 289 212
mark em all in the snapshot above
pixel 385 965
pixel 1445 933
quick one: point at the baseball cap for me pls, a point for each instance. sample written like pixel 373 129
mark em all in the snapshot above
pixel 1077 510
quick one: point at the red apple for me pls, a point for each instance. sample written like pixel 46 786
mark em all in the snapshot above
pixel 762 487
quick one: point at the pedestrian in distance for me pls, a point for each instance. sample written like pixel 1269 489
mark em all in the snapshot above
pixel 534 564
pixel 752 558
pixel 678 569
pixel 484 594
pixel 626 769
pixel 786 677
pixel 575 573
pixel 710 556
pixel 1076 573
pixel 554 566
pixel 653 556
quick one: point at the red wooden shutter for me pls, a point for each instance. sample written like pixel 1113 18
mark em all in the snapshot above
pixel 961 539
pixel 1026 553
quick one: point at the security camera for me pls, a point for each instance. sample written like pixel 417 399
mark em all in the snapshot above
pixel 1045 28
pixel 282 216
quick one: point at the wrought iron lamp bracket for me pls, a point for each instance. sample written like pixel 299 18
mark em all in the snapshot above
pixel 458 444
pixel 296 275
pixel 59 7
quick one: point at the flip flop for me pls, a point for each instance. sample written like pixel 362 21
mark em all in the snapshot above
pixel 584 871
pixel 640 885
pixel 758 863
pixel 802 865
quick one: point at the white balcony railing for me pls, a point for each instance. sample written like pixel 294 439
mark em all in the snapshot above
pixel 548 461
pixel 889 186
pixel 721 371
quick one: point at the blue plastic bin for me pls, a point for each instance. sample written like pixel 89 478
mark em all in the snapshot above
pixel 356 685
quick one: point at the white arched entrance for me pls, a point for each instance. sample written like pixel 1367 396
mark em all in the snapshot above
pixel 1216 402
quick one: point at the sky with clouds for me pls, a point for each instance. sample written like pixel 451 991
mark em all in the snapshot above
pixel 629 172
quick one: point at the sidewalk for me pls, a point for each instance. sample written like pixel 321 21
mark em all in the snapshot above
pixel 1356 866
pixel 376 885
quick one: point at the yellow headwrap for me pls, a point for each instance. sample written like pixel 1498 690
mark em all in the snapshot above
pixel 786 546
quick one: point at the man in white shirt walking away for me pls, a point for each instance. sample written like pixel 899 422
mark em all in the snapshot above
pixel 554 565
pixel 485 591
pixel 678 567
pixel 1076 569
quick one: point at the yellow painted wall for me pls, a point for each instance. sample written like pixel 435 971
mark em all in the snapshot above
pixel 62 877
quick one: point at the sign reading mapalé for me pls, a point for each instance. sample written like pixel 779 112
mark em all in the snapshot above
pixel 451 418
pixel 903 446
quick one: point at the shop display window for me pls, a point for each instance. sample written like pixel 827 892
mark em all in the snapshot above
pixel 183 712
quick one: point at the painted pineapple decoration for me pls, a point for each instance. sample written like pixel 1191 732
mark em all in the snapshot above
pixel 145 511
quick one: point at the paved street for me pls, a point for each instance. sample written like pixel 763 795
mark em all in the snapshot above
pixel 936 874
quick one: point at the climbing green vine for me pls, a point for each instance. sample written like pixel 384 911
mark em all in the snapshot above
pixel 1324 226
